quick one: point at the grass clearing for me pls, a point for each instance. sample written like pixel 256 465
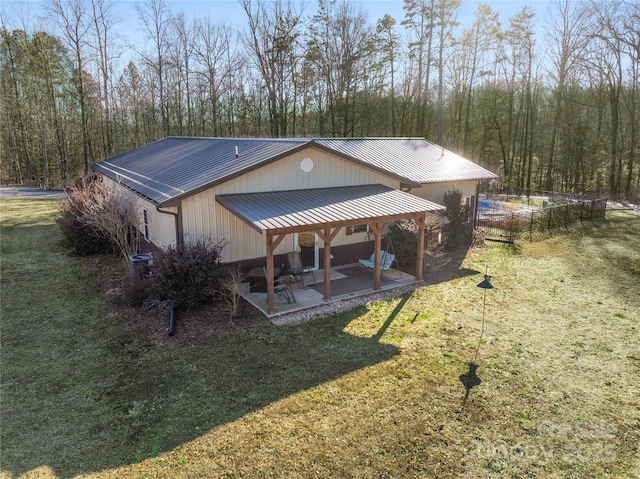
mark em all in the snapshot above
pixel 374 392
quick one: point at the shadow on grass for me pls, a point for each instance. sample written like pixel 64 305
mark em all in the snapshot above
pixel 469 380
pixel 447 267
pixel 128 401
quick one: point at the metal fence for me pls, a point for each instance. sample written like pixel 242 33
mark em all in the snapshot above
pixel 507 226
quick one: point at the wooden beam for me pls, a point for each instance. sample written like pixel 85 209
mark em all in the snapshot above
pixel 327 236
pixel 377 274
pixel 272 244
pixel 420 219
pixel 277 241
pixel 271 303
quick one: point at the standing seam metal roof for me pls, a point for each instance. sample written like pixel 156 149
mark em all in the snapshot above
pixel 306 208
pixel 175 167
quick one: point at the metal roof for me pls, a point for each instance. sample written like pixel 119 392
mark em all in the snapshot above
pixel 306 208
pixel 414 158
pixel 175 167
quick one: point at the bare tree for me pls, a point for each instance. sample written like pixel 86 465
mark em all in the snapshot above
pixel 568 40
pixel 342 49
pixel 272 38
pixel 155 17
pixel 103 23
pixel 218 61
pixel 389 45
pixel 74 24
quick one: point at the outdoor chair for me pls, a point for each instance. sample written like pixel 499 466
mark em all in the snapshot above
pixel 297 270
pixel 282 287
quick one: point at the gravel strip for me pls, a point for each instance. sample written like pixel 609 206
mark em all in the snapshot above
pixel 341 305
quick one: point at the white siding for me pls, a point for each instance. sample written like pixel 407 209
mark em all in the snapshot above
pixel 162 229
pixel 435 191
pixel 204 219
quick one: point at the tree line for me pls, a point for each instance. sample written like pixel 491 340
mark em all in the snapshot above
pixel 555 112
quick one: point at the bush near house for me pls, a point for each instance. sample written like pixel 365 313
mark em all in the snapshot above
pixel 401 239
pixel 188 274
pixel 80 236
pixel 458 230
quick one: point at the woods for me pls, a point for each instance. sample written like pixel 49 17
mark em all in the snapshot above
pixel 550 104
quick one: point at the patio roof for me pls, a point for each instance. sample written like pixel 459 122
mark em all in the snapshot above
pixel 297 210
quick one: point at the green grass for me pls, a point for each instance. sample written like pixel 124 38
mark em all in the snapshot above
pixel 373 392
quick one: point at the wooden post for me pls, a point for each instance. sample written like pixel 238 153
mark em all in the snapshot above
pixel 272 244
pixel 269 272
pixel 327 236
pixel 377 228
pixel 420 261
pixel 327 268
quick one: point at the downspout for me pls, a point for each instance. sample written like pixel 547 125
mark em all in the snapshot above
pixel 475 206
pixel 405 188
pixel 177 221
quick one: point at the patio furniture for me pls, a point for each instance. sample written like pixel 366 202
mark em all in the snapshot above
pixel 297 270
pixel 386 259
pixel 283 289
pixel 258 278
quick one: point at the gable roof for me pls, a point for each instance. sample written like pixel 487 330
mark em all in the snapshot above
pixel 415 158
pixel 175 167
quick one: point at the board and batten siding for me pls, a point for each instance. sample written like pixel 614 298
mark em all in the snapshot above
pixel 204 219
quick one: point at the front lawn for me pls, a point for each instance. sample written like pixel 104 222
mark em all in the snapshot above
pixel 378 391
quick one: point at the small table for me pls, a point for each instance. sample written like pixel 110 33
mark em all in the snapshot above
pixel 258 280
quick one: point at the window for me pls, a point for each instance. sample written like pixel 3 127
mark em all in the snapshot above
pixel 360 229
pixel 145 224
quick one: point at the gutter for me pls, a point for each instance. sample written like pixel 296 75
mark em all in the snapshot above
pixel 177 222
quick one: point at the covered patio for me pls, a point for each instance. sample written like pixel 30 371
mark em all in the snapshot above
pixel 347 282
pixel 325 211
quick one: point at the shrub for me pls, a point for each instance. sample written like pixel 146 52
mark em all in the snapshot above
pixel 83 239
pixel 189 274
pixel 403 234
pixel 458 230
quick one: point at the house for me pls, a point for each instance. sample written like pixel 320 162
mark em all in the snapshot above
pixel 267 197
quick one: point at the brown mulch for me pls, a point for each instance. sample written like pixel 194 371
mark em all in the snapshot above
pixel 111 276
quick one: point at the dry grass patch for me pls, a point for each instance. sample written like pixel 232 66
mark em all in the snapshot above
pixel 373 392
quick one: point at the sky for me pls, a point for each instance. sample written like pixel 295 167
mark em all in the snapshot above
pixel 31 14
pixel 32 11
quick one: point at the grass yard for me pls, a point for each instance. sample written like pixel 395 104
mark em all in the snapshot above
pixel 378 391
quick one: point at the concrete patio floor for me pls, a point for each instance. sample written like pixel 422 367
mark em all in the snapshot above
pixel 347 281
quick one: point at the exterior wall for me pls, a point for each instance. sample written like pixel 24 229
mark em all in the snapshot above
pixel 162 230
pixel 435 191
pixel 204 219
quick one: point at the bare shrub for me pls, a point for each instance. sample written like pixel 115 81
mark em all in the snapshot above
pixel 188 274
pixel 95 215
pixel 230 284
pixel 84 239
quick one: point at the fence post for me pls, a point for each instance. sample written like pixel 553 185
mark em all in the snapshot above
pixel 531 227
